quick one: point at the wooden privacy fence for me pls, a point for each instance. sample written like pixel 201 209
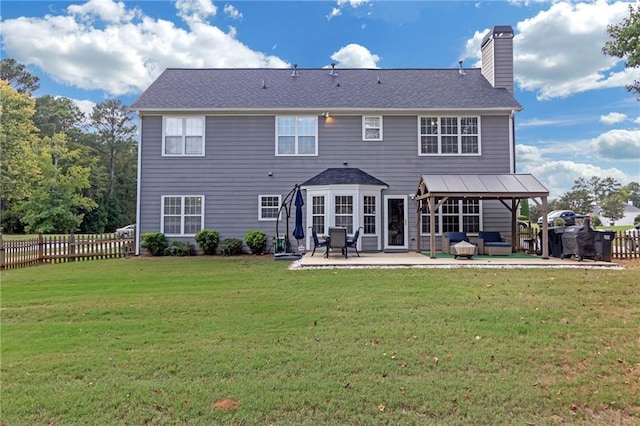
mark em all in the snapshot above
pixel 62 248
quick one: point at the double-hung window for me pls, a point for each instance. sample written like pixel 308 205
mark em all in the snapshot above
pixel 372 128
pixel 317 214
pixel 454 216
pixel 182 214
pixel 183 136
pixel 268 207
pixel 343 212
pixel 296 135
pixel 449 135
pixel 369 204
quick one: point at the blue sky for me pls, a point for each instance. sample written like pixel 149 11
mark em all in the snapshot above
pixel 578 120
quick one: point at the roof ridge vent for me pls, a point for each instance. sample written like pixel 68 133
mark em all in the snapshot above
pixel 333 71
pixel 294 73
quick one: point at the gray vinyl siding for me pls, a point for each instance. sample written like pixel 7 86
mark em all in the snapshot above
pixel 240 154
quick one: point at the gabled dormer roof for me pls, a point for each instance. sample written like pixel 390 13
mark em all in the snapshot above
pixel 245 89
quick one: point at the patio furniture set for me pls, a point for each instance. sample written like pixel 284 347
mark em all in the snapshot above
pixel 337 239
pixel 487 242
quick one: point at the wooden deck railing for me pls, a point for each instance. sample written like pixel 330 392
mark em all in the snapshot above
pixel 42 249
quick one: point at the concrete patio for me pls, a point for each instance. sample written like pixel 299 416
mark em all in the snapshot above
pixel 418 260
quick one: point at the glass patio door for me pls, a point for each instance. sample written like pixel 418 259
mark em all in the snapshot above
pixel 395 212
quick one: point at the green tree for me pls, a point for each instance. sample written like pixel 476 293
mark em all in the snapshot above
pixel 580 199
pixel 16 75
pixel 613 206
pixel 633 193
pixel 56 203
pixel 18 168
pixel 625 43
pixel 117 148
pixel 57 115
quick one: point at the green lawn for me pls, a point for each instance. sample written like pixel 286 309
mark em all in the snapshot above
pixel 164 340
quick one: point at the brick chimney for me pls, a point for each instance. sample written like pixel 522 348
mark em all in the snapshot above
pixel 497 57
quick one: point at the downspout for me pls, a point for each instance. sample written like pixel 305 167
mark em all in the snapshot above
pixel 138 186
pixel 512 141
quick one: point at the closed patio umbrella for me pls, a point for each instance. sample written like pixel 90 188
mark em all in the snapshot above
pixel 298 232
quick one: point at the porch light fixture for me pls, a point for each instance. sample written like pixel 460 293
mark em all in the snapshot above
pixel 326 115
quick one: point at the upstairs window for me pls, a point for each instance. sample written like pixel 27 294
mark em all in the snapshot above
pixel 449 135
pixel 183 136
pixel 297 135
pixel 371 128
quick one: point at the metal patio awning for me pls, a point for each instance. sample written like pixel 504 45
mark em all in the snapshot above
pixel 436 189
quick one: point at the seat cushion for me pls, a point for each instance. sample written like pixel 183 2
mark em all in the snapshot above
pixel 496 244
pixel 456 236
pixel 490 236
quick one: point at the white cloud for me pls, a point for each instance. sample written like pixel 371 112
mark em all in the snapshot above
pixel 559 176
pixel 104 10
pixel 528 155
pixel 232 12
pixel 558 51
pixel 618 145
pixel 194 11
pixel 341 4
pixel 103 46
pixel 613 118
pixel 637 120
pixel 355 56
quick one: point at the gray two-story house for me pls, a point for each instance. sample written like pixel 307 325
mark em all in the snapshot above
pixel 221 148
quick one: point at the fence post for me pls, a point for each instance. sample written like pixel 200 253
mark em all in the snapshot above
pixel 72 247
pixel 1 251
pixel 40 248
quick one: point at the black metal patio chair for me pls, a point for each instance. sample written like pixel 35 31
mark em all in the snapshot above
pixel 316 241
pixel 353 242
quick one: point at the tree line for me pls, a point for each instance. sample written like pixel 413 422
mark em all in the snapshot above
pixel 607 193
pixel 63 171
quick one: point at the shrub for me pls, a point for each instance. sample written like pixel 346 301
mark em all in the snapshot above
pixel 636 220
pixel 155 243
pixel 558 221
pixel 256 240
pixel 178 248
pixel 231 247
pixel 595 221
pixel 208 240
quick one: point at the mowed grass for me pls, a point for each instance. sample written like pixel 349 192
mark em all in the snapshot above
pixel 171 340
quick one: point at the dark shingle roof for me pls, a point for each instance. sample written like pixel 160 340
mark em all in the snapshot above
pixel 343 176
pixel 268 88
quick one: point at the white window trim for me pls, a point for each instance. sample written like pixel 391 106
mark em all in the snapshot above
pixel 260 207
pixel 425 216
pixel 182 215
pixel 183 117
pixel 456 154
pixel 296 154
pixel 357 191
pixel 364 128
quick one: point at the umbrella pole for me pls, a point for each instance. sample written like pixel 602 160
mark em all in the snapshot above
pixel 286 205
